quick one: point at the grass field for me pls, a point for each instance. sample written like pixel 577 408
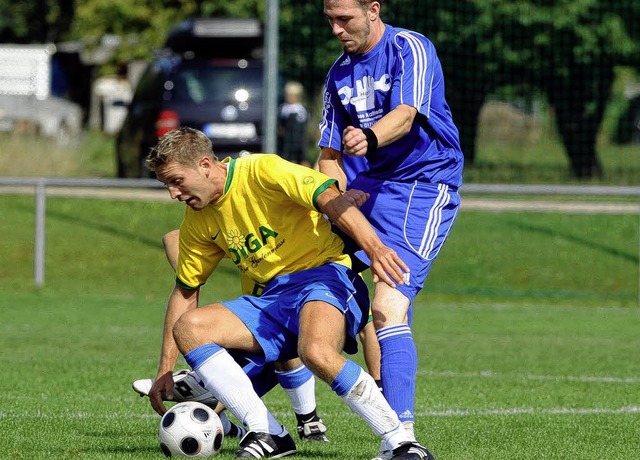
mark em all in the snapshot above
pixel 528 336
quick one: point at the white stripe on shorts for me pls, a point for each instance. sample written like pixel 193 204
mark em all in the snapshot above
pixel 430 236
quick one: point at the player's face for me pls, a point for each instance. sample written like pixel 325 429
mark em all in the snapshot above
pixel 189 185
pixel 350 24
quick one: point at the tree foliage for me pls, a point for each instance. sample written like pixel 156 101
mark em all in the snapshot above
pixel 564 49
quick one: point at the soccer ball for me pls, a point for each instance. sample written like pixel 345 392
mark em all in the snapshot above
pixel 190 429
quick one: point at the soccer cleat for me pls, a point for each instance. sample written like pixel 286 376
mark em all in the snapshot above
pixel 411 451
pixel 186 387
pixel 265 445
pixel 313 430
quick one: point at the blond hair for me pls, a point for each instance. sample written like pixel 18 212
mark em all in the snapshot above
pixel 183 145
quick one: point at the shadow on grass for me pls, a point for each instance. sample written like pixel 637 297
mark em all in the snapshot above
pixel 555 232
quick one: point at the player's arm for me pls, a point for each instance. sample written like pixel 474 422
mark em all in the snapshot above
pixel 388 129
pixel 386 265
pixel 330 163
pixel 180 301
pixel 171 244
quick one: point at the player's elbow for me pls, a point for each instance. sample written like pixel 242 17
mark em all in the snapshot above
pixel 406 116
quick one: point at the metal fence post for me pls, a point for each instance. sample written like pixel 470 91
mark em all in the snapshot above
pixel 39 253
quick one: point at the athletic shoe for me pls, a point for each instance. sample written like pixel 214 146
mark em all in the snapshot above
pixel 186 387
pixel 313 430
pixel 265 445
pixel 411 451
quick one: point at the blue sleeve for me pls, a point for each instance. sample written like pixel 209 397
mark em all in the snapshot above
pixel 334 117
pixel 415 72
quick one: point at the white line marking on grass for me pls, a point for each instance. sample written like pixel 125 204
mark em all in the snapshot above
pixel 555 378
pixel 441 413
pixel 530 411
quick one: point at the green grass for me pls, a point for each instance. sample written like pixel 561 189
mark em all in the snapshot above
pixel 527 335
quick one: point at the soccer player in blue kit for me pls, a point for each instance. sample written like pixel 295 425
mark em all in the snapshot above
pixel 384 99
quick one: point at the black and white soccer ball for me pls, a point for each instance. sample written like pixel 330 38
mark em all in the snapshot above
pixel 190 429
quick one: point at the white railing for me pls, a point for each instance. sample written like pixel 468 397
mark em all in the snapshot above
pixel 40 185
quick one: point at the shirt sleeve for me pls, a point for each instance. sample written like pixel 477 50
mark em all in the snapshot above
pixel 299 183
pixel 334 117
pixel 415 73
pixel 199 256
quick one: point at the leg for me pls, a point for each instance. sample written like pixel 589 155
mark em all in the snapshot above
pixel 299 384
pixel 371 349
pixel 399 361
pixel 203 335
pixel 321 340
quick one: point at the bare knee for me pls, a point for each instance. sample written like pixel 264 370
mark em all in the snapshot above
pixel 187 331
pixel 320 359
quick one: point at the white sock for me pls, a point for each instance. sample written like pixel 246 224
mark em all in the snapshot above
pixel 223 377
pixel 303 397
pixel 366 400
pixel 408 426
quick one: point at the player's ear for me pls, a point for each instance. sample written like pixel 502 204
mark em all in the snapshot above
pixel 374 11
pixel 205 164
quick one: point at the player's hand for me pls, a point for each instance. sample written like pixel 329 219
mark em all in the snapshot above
pixel 354 142
pixel 387 266
pixel 356 197
pixel 162 389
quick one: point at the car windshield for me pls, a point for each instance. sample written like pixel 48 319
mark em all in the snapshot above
pixel 210 84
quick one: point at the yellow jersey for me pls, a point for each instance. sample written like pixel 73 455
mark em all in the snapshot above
pixel 266 222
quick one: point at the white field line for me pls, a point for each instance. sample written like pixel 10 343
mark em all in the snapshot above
pixel 79 415
pixel 553 378
pixel 529 411
pixel 457 412
pixel 569 207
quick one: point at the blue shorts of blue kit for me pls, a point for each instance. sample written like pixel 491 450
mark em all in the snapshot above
pixel 413 218
pixel 273 318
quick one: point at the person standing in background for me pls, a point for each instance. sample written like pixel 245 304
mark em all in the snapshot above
pixel 292 125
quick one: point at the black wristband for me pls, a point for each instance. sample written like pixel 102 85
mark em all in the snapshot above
pixel 372 140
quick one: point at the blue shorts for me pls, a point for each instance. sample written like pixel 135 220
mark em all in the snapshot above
pixel 414 219
pixel 273 317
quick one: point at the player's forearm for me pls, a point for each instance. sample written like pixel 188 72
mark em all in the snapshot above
pixel 350 220
pixel 390 128
pixel 330 163
pixel 178 304
pixel 394 125
pixel 385 265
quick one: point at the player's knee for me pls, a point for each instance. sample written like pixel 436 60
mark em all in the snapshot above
pixel 186 329
pixel 316 357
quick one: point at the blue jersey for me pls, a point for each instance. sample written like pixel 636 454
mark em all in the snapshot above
pixel 353 166
pixel 403 68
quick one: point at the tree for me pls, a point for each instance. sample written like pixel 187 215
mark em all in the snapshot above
pixel 566 49
pixel 563 49
pixel 24 21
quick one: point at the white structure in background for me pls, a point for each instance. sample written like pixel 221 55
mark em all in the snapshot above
pixel 25 94
pixel 112 95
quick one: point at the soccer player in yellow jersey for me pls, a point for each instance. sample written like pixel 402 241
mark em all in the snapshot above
pixel 266 215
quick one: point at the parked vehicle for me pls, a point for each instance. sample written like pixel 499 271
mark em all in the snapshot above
pixel 200 80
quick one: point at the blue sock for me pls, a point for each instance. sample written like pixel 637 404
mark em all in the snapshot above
pixel 346 379
pixel 398 369
pixel 294 378
pixel 196 357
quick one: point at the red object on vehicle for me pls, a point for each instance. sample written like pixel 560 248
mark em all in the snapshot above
pixel 167 120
